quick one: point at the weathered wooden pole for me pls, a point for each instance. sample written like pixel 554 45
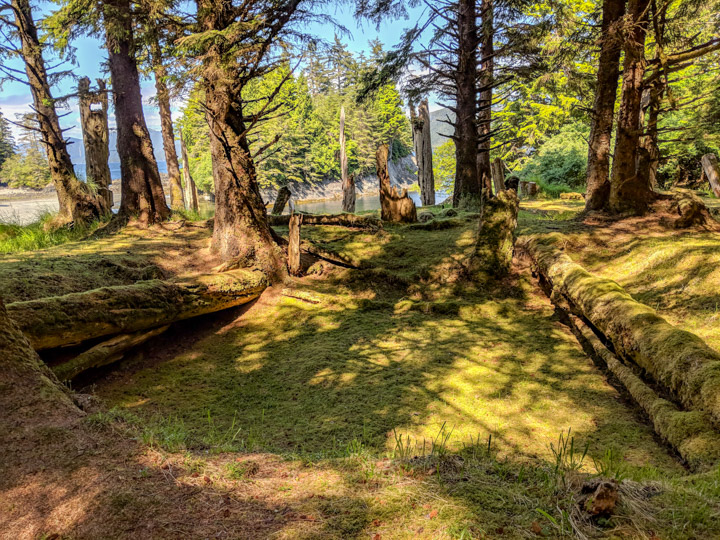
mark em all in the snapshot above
pixel 712 172
pixel 498 175
pixel 348 183
pixel 393 206
pixel 426 176
pixel 282 199
pixel 294 244
pixel 94 124
pixel 191 196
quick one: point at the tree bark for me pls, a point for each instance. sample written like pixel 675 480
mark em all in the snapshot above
pixel 283 196
pixel 96 138
pixel 467 182
pixel 142 192
pixel 493 253
pixel 294 244
pixel 498 175
pixel 394 207
pixel 191 195
pixel 423 149
pixel 77 204
pixel 162 93
pixel 629 189
pixel 75 318
pixel 712 172
pixel 348 183
pixel 487 66
pixel 598 169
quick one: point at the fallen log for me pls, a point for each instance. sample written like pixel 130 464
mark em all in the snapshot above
pixel 78 317
pixel 677 360
pixel 341 220
pixel 711 169
pixel 283 196
pixel 496 237
pixel 104 353
pixel 690 432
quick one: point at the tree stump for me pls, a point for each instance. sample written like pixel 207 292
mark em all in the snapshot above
pixel 191 196
pixel 691 209
pixel 523 189
pixel 294 244
pixel 282 199
pixel 712 172
pixel 532 190
pixel 496 238
pixel 94 124
pixel 498 175
pixel 394 207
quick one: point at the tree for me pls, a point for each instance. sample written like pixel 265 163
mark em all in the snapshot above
pixel 7 141
pixel 598 169
pixel 77 204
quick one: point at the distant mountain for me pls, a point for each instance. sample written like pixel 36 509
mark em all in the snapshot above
pixel 77 150
pixel 438 128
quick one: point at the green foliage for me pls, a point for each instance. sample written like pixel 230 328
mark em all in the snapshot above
pixel 560 163
pixel 16 238
pixel 26 169
pixel 7 142
pixel 306 125
pixel 444 166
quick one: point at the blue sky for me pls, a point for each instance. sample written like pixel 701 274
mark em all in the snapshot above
pixel 15 97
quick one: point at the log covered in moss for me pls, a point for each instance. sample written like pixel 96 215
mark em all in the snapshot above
pixel 341 220
pixel 692 211
pixel 78 317
pixel 493 252
pixel 677 360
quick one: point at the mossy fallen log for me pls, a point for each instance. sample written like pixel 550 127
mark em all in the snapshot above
pixel 692 211
pixel 496 237
pixel 75 318
pixel 677 360
pixel 341 220
pixel 690 432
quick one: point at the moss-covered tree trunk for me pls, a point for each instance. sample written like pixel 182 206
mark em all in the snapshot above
pixel 177 201
pixel 598 169
pixel 191 194
pixel 77 203
pixel 142 191
pixel 629 188
pixel 467 182
pixel 96 137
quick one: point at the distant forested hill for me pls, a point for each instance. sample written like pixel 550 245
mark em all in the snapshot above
pixel 77 151
pixel 439 128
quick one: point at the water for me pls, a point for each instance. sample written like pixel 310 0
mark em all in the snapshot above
pixel 362 203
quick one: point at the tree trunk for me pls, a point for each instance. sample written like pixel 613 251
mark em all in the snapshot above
pixel 487 66
pixel 78 317
pixel 712 172
pixel 394 207
pixel 493 253
pixel 498 175
pixel 294 244
pixel 142 192
pixel 649 144
pixel 423 148
pixel 467 182
pixel 348 183
pixel 283 196
pixel 77 204
pixel 598 168
pixel 629 191
pixel 177 201
pixel 191 196
pixel 96 140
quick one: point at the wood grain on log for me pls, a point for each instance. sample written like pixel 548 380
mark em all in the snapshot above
pixel 294 244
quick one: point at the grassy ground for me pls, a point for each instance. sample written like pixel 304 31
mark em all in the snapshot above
pixel 396 401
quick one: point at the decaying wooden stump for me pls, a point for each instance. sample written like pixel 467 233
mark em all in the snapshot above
pixel 349 194
pixel 493 253
pixel 191 194
pixel 394 207
pixel 498 174
pixel 712 172
pixel 532 190
pixel 294 244
pixel 283 196
pixel 340 220
pixel 523 189
pixel 125 309
pixel 691 209
pixel 95 130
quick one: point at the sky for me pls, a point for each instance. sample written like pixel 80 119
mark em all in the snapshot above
pixel 15 97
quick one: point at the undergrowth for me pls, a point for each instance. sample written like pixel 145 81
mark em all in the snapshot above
pixel 34 236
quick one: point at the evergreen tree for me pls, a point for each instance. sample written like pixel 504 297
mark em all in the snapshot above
pixel 7 142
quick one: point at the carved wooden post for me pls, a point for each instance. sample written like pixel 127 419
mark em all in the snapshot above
pixel 348 183
pixel 426 176
pixel 191 196
pixel 393 206
pixel 294 244
pixel 94 123
pixel 282 199
pixel 712 172
pixel 498 175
